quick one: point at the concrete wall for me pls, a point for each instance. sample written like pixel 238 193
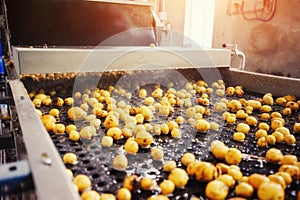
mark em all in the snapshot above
pixel 271 47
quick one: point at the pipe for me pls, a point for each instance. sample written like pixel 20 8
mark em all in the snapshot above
pixel 236 52
pixel 243 59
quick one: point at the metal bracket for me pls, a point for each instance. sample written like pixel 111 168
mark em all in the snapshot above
pixel 15 177
pixel 7 100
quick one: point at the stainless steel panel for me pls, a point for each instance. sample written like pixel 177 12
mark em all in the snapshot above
pixel 38 60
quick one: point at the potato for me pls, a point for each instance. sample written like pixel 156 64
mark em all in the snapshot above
pixel 201 125
pixel 289 159
pixel 277 179
pixel 158 197
pixel 131 147
pixel 115 133
pixel 179 177
pixel 167 187
pixel 48 118
pixel 120 162
pixel 59 129
pixel 216 190
pixel 187 158
pixel 87 132
pixel 124 194
pixel 83 182
pixel 205 171
pixel 70 158
pixel 270 190
pixel 111 121
pixel 293 170
pixel 70 128
pixel 268 99
pixel 69 101
pixel 107 141
pixel 76 114
pixel 234 105
pixel 257 179
pixel 176 133
pixel 244 189
pixel 144 139
pixel 74 135
pixel 242 127
pixel 169 165
pixel 107 196
pixel 146 183
pixel 233 156
pixel 50 126
pixel 218 149
pixel 95 123
pixel 239 136
pixel 274 155
pixel 227 179
pixel 89 195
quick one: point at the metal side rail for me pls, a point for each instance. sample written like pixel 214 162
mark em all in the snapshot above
pixel 47 169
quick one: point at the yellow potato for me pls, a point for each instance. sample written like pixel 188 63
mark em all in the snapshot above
pixel 169 165
pixel 201 125
pixel 187 158
pixel 244 189
pixel 74 135
pixel 48 118
pixel 70 158
pixel 270 190
pixel 257 179
pixel 124 194
pixel 205 171
pixel 218 149
pixel 146 183
pixel 59 129
pixel 233 156
pixel 70 127
pixel 120 162
pixel 131 147
pixel 76 113
pixel 216 190
pixel 115 133
pixel 242 127
pixel 179 177
pixel 87 132
pixel 83 182
pixel 274 155
pixel 144 138
pixel 167 187
pixel 227 179
pixel 157 153
pixel 107 141
pixel 90 195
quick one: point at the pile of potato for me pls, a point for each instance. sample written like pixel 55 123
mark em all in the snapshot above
pixel 98 108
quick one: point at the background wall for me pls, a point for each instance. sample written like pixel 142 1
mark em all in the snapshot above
pixel 271 47
pixel 176 12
